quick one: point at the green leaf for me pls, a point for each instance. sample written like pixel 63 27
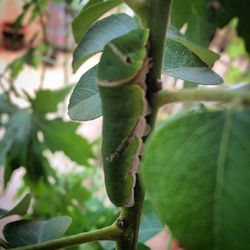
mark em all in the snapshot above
pixel 180 11
pixel 182 63
pixel 85 102
pixel 30 58
pixel 197 14
pixel 107 245
pixel 141 246
pixel 90 246
pixel 61 136
pixel 20 209
pixel 28 232
pixel 201 29
pixel 37 166
pixel 207 56
pixel 13 147
pixel 89 14
pixel 101 33
pixel 3 212
pixel 16 137
pixel 91 3
pixel 228 9
pixel 5 105
pixel 16 67
pixel 47 100
pixel 196 171
pixel 150 223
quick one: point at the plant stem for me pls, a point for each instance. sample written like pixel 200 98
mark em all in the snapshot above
pixel 108 233
pixel 221 95
pixel 130 217
pixel 160 10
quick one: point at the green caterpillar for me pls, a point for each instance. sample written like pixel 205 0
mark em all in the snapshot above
pixel 121 81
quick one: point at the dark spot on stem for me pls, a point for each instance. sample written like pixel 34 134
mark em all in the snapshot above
pixel 121 223
pixel 128 60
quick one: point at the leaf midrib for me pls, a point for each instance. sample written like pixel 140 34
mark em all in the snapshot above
pixel 220 177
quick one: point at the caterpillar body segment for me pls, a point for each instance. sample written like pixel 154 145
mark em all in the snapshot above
pixel 121 81
pixel 123 59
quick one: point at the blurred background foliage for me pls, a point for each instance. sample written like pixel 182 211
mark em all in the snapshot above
pixel 30 135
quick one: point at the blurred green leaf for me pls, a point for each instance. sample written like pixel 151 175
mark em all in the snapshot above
pixel 89 14
pixel 198 15
pixel 37 166
pixel 6 106
pixel 90 246
pixel 228 9
pixel 199 182
pixel 101 33
pixel 85 102
pixel 107 245
pixel 28 232
pixel 3 212
pixel 47 100
pixel 16 136
pixel 16 67
pixel 31 58
pixel 91 3
pixel 235 75
pixel 67 196
pixel 141 246
pixel 150 223
pixel 181 10
pixel 20 209
pixel 25 9
pixel 61 136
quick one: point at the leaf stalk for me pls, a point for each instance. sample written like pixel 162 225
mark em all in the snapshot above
pixel 157 23
pixel 112 232
pixel 217 95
